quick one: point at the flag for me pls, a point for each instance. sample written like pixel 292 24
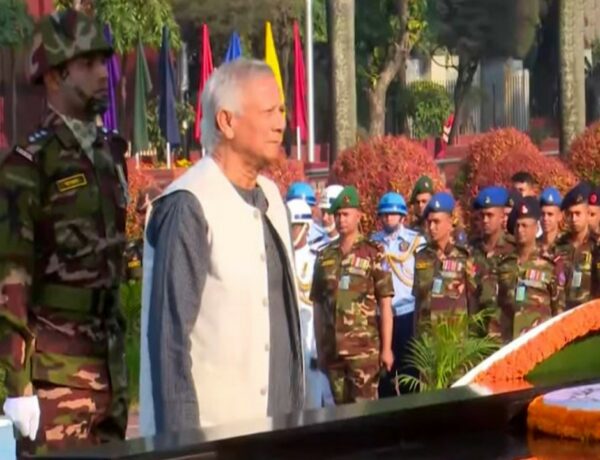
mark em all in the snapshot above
pixel 109 118
pixel 205 71
pixel 299 114
pixel 143 86
pixel 234 50
pixel 167 117
pixel 271 56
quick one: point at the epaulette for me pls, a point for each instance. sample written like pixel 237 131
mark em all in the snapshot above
pixel 35 143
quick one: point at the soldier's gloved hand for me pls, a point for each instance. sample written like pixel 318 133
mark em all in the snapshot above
pixel 24 412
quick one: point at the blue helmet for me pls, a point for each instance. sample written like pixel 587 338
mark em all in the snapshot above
pixel 301 191
pixel 392 203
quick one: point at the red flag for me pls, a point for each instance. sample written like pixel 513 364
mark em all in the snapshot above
pixel 205 71
pixel 446 128
pixel 299 114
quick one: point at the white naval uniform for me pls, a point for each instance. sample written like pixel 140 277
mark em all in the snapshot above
pixel 318 391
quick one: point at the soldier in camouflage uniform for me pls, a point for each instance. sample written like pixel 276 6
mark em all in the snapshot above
pixel 420 196
pixel 577 245
pixel 445 280
pixel 594 214
pixel 349 285
pixel 551 218
pixel 63 199
pixel 530 284
pixel 491 247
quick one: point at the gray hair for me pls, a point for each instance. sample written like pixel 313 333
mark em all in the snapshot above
pixel 222 92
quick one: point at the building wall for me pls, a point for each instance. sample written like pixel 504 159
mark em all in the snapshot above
pixel 592 21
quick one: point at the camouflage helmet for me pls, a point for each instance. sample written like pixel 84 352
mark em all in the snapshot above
pixel 62 36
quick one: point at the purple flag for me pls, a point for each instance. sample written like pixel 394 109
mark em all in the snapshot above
pixel 110 116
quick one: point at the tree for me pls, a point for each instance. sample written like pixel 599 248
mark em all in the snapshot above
pixel 474 29
pixel 340 15
pixel 386 34
pixel 129 21
pixel 572 72
pixel 16 27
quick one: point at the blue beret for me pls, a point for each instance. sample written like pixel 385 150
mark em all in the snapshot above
pixel 579 194
pixel 491 197
pixel 550 197
pixel 440 202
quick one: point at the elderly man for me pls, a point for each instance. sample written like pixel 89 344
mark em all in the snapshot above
pixel 221 335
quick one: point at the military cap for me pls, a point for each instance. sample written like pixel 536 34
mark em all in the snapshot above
pixel 550 197
pixel 423 185
pixel 594 198
pixel 62 36
pixel 579 194
pixel 348 198
pixel 514 197
pixel 491 197
pixel 440 202
pixel 527 207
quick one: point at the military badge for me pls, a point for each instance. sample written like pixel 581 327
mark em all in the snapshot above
pixel 403 246
pixel 71 182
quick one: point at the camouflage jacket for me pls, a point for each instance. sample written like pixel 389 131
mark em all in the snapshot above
pixel 578 267
pixel 486 264
pixel 550 250
pixel 444 284
pixel 62 237
pixel 345 291
pixel 529 292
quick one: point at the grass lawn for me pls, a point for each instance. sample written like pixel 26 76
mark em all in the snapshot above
pixel 579 360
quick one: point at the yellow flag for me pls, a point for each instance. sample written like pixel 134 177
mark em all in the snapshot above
pixel 271 57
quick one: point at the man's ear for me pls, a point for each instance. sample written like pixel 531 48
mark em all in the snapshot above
pixel 52 81
pixel 224 122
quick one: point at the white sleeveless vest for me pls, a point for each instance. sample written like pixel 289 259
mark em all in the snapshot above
pixel 230 341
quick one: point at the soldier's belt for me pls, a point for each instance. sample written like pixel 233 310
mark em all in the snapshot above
pixel 74 299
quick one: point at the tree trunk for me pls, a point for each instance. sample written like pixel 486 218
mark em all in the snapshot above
pixel 394 65
pixel 343 74
pixel 467 66
pixel 572 74
pixel 13 95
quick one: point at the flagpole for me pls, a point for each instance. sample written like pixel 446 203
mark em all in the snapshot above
pixel 298 143
pixel 310 81
pixel 168 155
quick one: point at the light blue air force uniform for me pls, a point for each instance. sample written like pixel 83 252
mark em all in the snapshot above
pixel 400 249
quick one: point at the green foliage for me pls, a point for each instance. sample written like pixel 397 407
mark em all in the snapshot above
pixel 446 349
pixel 133 19
pixel 479 28
pixel 380 29
pixel 16 26
pixel 429 105
pixel 131 307
pixel 185 116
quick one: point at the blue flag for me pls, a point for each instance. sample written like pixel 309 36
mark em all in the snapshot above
pixel 234 50
pixel 167 117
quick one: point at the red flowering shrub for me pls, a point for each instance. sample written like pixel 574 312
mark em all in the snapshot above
pixel 140 180
pixel 497 156
pixel 285 171
pixel 584 157
pixel 380 165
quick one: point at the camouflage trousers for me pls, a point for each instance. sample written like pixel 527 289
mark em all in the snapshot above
pixel 73 418
pixel 354 378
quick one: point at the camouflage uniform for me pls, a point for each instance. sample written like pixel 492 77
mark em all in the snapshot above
pixel 578 266
pixel 63 199
pixel 486 262
pixel 445 284
pixel 346 289
pixel 529 292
